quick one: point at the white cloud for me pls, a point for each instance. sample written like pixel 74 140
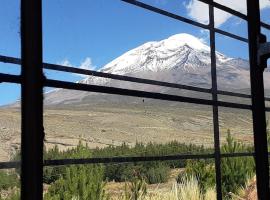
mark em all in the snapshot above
pixel 199 11
pixel 85 64
pixel 65 62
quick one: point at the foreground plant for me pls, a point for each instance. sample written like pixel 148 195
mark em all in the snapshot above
pixel 80 183
pixel 187 189
pixel 136 190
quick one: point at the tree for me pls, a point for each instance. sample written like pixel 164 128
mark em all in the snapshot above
pixel 79 182
pixel 235 171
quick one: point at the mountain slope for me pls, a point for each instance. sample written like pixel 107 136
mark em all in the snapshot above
pixel 181 58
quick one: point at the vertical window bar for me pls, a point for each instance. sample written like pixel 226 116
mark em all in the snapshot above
pixel 215 98
pixel 258 104
pixel 32 105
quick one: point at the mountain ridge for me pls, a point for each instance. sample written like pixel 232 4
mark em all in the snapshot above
pixel 181 58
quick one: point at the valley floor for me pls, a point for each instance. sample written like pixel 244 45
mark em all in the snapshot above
pixel 103 125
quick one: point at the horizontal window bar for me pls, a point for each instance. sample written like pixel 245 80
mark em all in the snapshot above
pixel 139 159
pixel 183 19
pixel 192 22
pixel 124 78
pixel 138 93
pixel 266 26
pixel 166 13
pixel 10 78
pixel 126 92
pixel 16 164
pixel 124 159
pixel 10 165
pixel 232 12
pixel 62 68
pixel 225 8
pixel 231 35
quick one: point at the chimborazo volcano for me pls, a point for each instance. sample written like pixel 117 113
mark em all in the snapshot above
pixel 181 58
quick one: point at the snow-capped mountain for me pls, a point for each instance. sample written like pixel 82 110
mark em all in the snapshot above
pixel 181 58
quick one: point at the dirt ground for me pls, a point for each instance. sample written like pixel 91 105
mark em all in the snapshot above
pixel 102 125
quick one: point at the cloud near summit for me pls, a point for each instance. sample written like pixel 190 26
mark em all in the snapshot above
pixel 85 64
pixel 199 11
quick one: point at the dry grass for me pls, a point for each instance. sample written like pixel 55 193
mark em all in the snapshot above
pixel 187 190
pixel 248 192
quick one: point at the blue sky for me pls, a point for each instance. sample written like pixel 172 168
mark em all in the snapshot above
pixel 91 33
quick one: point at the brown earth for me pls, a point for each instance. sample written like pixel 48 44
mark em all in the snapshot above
pixel 103 125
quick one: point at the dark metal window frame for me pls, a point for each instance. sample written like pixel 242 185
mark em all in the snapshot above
pixel 32 82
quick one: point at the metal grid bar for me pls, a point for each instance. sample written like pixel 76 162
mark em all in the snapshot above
pixel 32 101
pixel 232 12
pixel 186 20
pixel 8 78
pixel 127 92
pixel 127 159
pixel 215 107
pixel 141 159
pixel 138 93
pixel 183 19
pixel 258 104
pixel 62 68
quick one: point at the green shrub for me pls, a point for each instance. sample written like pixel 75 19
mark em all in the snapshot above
pixel 157 174
pixel 234 171
pixel 8 179
pixel 154 172
pixel 51 174
pixel 82 182
pixel 202 170
pixel 136 190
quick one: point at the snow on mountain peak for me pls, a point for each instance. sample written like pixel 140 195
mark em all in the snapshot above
pixel 156 55
pixel 181 58
pixel 186 39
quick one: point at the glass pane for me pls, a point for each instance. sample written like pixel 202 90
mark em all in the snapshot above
pixel 239 5
pixel 193 9
pixel 10 28
pixel 126 124
pixel 151 180
pixel 236 130
pixel 233 70
pixel 10 138
pixel 265 11
pixel 155 47
pixel 230 23
pixel 6 68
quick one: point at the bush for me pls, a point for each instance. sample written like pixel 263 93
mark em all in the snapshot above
pixel 8 179
pixel 154 172
pixel 234 171
pixel 14 196
pixel 202 170
pixel 136 190
pixel 157 174
pixel 79 182
pixel 51 174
